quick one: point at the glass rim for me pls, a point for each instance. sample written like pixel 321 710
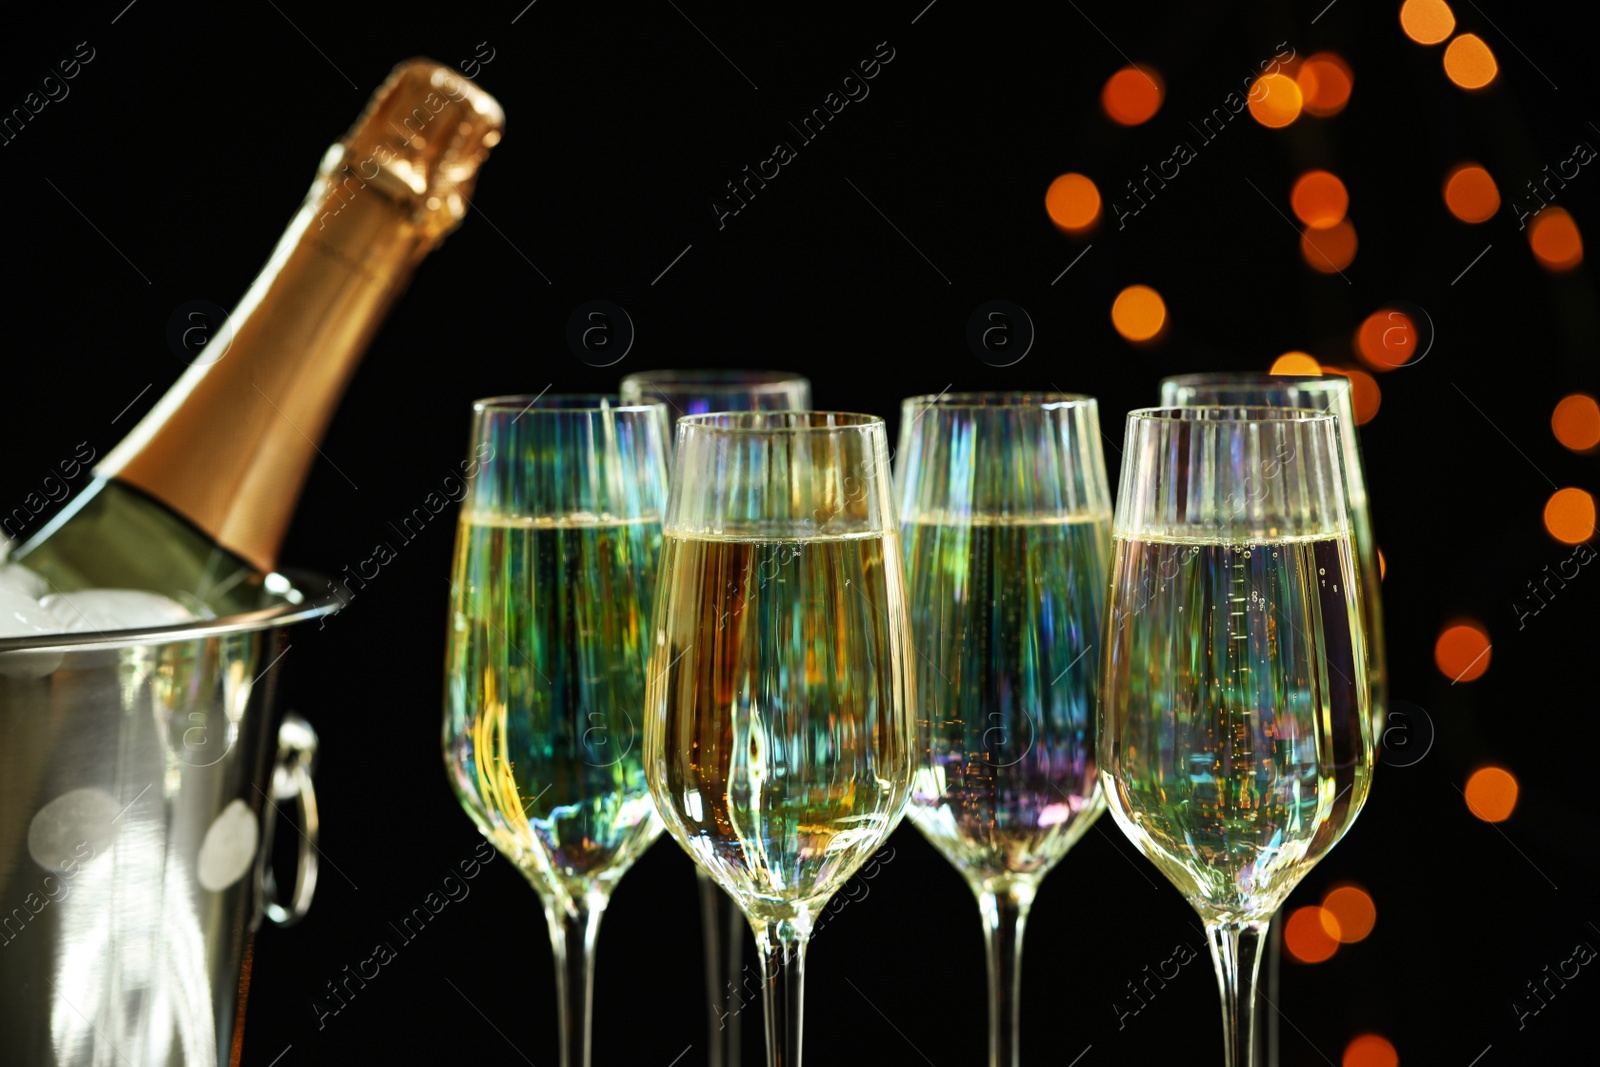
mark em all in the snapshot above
pixel 1260 378
pixel 717 376
pixel 720 422
pixel 999 400
pixel 581 403
pixel 1244 414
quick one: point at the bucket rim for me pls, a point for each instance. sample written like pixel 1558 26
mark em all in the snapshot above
pixel 294 605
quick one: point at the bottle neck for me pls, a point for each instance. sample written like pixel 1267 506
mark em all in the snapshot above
pixel 230 444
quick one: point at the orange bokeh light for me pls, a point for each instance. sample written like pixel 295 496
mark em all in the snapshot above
pixel 1329 251
pixel 1370 1050
pixel 1462 652
pixel 1555 240
pixel 1306 934
pixel 1073 203
pixel 1576 422
pixel 1139 313
pixel 1132 95
pixel 1365 396
pixel 1319 199
pixel 1492 794
pixel 1325 82
pixel 1295 363
pixel 1469 63
pixel 1427 21
pixel 1353 912
pixel 1470 193
pixel 1387 339
pixel 1383 566
pixel 1569 515
pixel 1275 100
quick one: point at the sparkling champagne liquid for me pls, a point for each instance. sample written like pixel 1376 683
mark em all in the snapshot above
pixel 1236 695
pixel 1006 621
pixel 780 702
pixel 547 658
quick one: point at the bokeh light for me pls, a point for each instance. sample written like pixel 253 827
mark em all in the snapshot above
pixel 1383 566
pixel 1325 81
pixel 1306 934
pixel 1132 95
pixel 1073 202
pixel 1492 794
pixel 1569 515
pixel 1319 199
pixel 1275 100
pixel 1370 1050
pixel 1332 250
pixel 1462 652
pixel 1470 193
pixel 1387 339
pixel 1296 363
pixel 1139 313
pixel 1469 63
pixel 1555 240
pixel 1427 21
pixel 1365 396
pixel 1576 422
pixel 1353 912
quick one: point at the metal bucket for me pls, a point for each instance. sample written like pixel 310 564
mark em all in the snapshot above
pixel 136 812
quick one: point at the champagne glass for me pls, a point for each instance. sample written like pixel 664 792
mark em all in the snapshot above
pixel 1236 744
pixel 1331 394
pixel 696 392
pixel 1006 520
pixel 550 618
pixel 779 739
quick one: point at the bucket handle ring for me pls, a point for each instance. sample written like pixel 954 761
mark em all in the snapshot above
pixel 291 780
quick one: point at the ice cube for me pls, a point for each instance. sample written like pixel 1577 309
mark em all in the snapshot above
pixel 16 578
pixel 100 610
pixel 22 615
pixel 26 610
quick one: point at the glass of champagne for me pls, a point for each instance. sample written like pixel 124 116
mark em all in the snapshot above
pixel 697 392
pixel 779 734
pixel 1331 394
pixel 553 583
pixel 1006 520
pixel 1236 743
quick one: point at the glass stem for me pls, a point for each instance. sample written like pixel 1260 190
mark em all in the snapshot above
pixel 723 928
pixel 1236 952
pixel 573 930
pixel 783 974
pixel 1267 1031
pixel 1005 914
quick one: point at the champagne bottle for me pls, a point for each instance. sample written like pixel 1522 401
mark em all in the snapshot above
pixel 195 501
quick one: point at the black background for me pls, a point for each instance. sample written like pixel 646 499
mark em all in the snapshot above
pixel 188 141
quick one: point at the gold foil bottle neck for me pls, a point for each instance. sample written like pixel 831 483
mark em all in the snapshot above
pixel 426 131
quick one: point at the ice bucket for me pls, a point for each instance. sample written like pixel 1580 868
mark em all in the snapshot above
pixel 137 800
